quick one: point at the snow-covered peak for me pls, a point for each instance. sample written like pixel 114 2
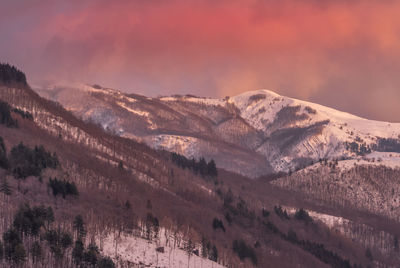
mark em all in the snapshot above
pixel 267 92
pixel 261 107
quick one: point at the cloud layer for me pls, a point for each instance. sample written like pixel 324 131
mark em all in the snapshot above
pixel 344 54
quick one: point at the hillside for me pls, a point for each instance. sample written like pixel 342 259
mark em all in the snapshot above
pixel 118 203
pixel 254 134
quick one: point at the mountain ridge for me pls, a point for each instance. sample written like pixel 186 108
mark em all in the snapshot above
pixel 249 126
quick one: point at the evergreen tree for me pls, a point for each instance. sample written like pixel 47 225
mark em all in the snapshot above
pixel 292 236
pixel 79 226
pixel 228 218
pixel 214 254
pixel 91 255
pixel 217 223
pixel 5 115
pixel 212 168
pixel 13 248
pixel 36 251
pixel 265 213
pixel 78 252
pixel 3 155
pixel 281 212
pixel 29 220
pixel 152 226
pixel 24 162
pixel 244 251
pixel 62 187
pixel 368 254
pixel 5 188
pixel 205 247
pixel 121 165
pixel 58 242
pixel 23 114
pixel 19 254
pixel 198 167
pixel 128 205
pixel 189 247
pixel 302 215
pixel 105 262
pixel 1 251
pixel 10 74
pixel 49 216
pixel 66 240
pixel 202 167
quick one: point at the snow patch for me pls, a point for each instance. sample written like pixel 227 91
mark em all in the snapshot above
pixel 137 250
pixel 180 144
pixel 137 112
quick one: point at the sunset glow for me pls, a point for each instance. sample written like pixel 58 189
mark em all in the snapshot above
pixel 343 54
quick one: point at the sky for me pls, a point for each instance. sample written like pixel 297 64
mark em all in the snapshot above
pixel 340 53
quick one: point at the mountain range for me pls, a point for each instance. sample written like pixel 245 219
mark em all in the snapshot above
pixel 256 133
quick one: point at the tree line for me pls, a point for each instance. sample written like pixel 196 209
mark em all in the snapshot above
pixel 36 225
pixel 388 145
pixel 10 74
pixel 24 161
pixel 200 166
pixel 3 154
pixel 63 187
pixel 5 115
pixel 6 118
pixel 358 148
pixel 23 114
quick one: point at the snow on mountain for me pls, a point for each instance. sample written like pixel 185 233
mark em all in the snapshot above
pixel 269 112
pixel 146 253
pixel 254 133
pixel 261 107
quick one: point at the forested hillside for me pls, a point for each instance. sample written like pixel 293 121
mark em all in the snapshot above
pixel 75 195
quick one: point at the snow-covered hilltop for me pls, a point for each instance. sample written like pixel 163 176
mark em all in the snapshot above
pixel 254 133
pixel 314 131
pixel 270 104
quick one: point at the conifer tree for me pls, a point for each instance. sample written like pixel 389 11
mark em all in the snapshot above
pixel 1 251
pixel 79 226
pixel 3 155
pixel 36 251
pixel 5 188
pixel 77 252
pixel 212 168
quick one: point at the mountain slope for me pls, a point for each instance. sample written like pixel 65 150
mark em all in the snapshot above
pixel 135 204
pixel 142 207
pixel 309 130
pixel 110 172
pixel 255 133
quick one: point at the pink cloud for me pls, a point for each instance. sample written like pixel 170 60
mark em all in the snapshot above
pixel 306 49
